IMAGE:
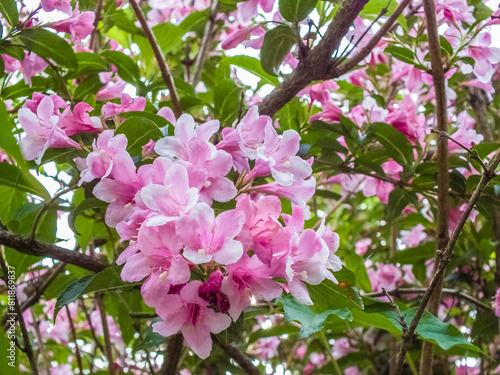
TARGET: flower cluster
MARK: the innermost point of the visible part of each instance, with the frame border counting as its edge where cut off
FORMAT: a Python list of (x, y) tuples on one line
[(202, 266)]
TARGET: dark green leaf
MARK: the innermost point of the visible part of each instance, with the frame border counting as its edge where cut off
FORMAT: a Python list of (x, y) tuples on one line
[(71, 293), (415, 255), (90, 85), (8, 142), (395, 142), (21, 89), (486, 148), (48, 45), (277, 44), (398, 200), (87, 204), (150, 339), (90, 61), (234, 331), (12, 200), (227, 99), (296, 10), (127, 68), (446, 46), (139, 131)]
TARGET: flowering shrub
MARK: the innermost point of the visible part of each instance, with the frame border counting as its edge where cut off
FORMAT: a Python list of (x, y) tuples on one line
[(278, 186)]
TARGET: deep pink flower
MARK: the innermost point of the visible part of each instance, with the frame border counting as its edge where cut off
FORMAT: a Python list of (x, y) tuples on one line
[(62, 5), (496, 303), (79, 25), (237, 36), (188, 312), (79, 120), (127, 104)]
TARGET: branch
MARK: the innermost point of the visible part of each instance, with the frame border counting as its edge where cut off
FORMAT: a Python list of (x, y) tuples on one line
[(453, 292), (105, 331), (242, 360), (165, 71), (443, 209), (73, 338), (386, 27), (172, 355), (319, 65), (205, 43), (18, 315), (40, 249), (443, 257), (95, 33)]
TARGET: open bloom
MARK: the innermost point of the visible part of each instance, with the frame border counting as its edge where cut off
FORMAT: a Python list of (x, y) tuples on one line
[(188, 313)]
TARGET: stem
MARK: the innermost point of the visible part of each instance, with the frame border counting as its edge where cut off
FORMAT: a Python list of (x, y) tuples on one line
[(73, 338), (46, 360), (28, 349), (426, 359), (443, 258), (40, 249), (241, 359), (165, 71), (172, 354), (95, 33), (105, 330), (205, 43)]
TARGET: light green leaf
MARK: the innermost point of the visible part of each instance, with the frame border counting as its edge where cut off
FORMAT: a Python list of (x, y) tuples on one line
[(296, 10), (227, 99), (127, 68), (403, 54), (8, 8), (12, 176), (252, 65)]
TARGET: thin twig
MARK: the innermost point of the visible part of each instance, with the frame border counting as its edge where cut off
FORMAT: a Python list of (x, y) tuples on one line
[(28, 349), (444, 255), (172, 354), (242, 360), (401, 318), (108, 348), (452, 292), (73, 338), (95, 33), (473, 153), (47, 205), (92, 330), (160, 58), (205, 43), (41, 346)]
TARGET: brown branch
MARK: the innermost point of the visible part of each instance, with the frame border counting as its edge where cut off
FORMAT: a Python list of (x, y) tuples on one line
[(172, 355), (18, 315), (205, 43), (443, 258), (438, 79), (108, 349), (386, 27), (41, 346), (164, 69), (454, 292), (95, 33), (242, 360), (40, 249), (319, 65), (73, 338)]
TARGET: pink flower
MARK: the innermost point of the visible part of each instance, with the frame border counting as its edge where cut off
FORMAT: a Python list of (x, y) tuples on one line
[(319, 91), (62, 5), (188, 313), (113, 89), (208, 238), (238, 36), (127, 105), (79, 25), (42, 131), (79, 121), (363, 245), (265, 348), (413, 238), (248, 9), (31, 66), (466, 135), (387, 276), (496, 303)]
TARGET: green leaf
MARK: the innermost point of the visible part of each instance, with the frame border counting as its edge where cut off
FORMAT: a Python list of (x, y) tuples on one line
[(108, 279), (8, 142), (20, 89), (48, 45), (395, 142), (12, 176), (446, 46), (150, 339), (415, 255), (293, 115), (8, 8), (398, 200), (310, 321), (227, 99), (127, 68), (403, 54), (12, 200), (277, 44), (485, 148), (90, 61), (90, 85), (330, 296), (87, 204), (139, 131), (232, 333), (296, 10), (71, 293), (252, 65), (158, 120), (169, 36)]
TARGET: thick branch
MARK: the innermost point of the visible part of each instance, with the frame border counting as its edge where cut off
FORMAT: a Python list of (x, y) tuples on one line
[(165, 71), (39, 249), (438, 79), (444, 258), (172, 355), (317, 64), (242, 360)]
